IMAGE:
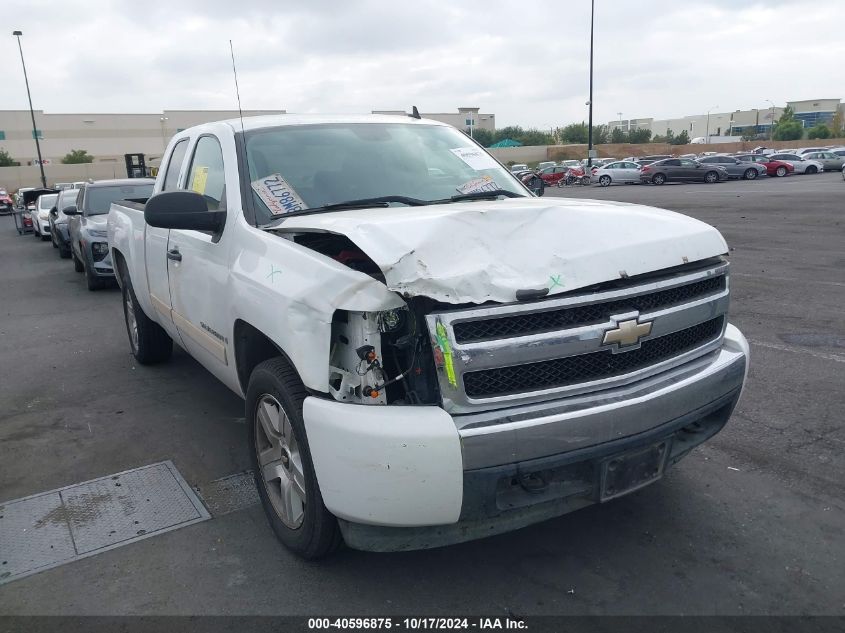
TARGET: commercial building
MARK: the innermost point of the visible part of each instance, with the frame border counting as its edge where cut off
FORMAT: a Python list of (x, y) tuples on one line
[(106, 137), (810, 112), (465, 119)]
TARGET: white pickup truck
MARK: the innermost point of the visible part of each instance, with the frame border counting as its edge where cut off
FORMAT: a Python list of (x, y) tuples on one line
[(429, 351)]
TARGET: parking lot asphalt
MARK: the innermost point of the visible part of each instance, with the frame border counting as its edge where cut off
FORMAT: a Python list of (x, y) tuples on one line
[(751, 523)]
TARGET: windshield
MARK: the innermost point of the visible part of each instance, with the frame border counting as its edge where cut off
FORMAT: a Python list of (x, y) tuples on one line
[(303, 167), (99, 199), (46, 202), (67, 198)]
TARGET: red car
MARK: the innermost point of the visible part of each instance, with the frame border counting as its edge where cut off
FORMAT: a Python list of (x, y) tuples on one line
[(551, 175), (773, 167), (6, 202)]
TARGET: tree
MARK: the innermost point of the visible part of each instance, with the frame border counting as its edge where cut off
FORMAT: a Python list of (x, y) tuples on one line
[(601, 134), (6, 160), (819, 131), (836, 125), (788, 128), (574, 133), (77, 156), (681, 139), (639, 136), (666, 138), (788, 131), (617, 135), (485, 137)]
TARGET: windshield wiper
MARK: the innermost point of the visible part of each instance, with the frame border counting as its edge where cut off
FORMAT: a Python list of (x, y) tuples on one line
[(361, 203), (483, 195)]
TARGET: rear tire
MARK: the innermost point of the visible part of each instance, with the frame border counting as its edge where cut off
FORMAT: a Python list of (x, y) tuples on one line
[(658, 179), (604, 181), (711, 177), (148, 341), (781, 171), (281, 461)]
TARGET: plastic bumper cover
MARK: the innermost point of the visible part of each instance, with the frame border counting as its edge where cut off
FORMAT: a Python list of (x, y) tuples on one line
[(404, 478)]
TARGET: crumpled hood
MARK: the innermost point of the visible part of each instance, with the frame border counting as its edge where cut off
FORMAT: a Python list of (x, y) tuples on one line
[(487, 250)]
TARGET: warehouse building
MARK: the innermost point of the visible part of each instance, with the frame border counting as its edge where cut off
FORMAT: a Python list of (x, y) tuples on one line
[(106, 137), (715, 123)]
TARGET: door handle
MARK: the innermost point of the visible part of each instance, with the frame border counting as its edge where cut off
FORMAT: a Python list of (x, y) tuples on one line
[(174, 254)]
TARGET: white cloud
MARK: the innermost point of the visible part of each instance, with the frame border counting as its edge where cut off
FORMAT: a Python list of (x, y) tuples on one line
[(526, 63)]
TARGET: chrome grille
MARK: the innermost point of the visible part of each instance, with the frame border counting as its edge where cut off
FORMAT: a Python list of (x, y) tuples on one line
[(569, 370), (550, 320), (511, 354)]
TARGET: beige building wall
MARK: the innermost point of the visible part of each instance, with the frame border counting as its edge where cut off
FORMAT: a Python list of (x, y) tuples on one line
[(459, 119), (105, 136)]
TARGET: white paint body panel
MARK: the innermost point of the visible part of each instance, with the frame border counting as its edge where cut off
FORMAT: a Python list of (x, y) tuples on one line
[(481, 251), (396, 466)]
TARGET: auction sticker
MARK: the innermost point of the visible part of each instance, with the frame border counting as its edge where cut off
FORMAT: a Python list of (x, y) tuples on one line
[(485, 183), (278, 195), (475, 157), (200, 180)]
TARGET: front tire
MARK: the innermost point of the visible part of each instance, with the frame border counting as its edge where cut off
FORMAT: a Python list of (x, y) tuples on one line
[(77, 265), (750, 174), (148, 341), (604, 181), (658, 179), (811, 170), (711, 176), (281, 461), (781, 171)]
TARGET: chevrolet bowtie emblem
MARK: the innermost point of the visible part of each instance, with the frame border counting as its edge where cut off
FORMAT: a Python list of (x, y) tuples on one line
[(627, 333)]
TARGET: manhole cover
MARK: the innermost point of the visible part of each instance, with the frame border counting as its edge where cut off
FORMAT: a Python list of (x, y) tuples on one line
[(60, 526)]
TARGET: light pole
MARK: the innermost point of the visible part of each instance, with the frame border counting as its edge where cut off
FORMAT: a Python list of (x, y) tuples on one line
[(18, 34), (590, 102), (163, 121), (708, 121), (771, 119)]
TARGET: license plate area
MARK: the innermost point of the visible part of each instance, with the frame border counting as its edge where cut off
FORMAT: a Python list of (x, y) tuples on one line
[(626, 472)]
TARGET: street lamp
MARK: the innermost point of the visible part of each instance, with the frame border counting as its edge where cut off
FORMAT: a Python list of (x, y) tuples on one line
[(590, 102), (708, 121), (771, 119), (18, 34)]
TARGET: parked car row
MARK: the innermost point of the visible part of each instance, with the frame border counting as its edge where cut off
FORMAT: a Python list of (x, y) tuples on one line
[(74, 220)]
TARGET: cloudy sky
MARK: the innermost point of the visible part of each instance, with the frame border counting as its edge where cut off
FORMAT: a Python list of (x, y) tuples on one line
[(527, 62)]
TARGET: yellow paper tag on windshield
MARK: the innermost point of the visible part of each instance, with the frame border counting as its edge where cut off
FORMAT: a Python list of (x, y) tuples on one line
[(200, 179)]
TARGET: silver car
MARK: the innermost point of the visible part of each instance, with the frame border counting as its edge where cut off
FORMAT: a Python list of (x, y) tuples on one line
[(801, 164), (830, 160), (736, 168), (620, 172)]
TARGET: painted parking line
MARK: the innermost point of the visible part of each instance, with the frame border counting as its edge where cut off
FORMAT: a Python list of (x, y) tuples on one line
[(60, 526)]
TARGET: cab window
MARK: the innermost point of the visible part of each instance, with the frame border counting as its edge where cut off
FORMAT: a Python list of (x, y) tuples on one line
[(171, 177), (206, 176)]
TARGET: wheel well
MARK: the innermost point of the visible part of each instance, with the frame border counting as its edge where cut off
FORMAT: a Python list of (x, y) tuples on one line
[(251, 348)]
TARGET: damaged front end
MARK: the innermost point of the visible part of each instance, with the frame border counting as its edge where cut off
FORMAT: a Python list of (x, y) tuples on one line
[(382, 357)]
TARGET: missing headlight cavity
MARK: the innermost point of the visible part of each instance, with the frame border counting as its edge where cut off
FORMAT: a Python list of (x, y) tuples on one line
[(382, 358), (341, 249)]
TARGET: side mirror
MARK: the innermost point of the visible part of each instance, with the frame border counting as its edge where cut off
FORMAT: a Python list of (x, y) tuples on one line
[(182, 210), (71, 210), (537, 185), (54, 211)]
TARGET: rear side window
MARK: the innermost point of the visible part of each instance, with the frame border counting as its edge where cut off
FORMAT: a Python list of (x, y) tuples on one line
[(206, 176), (171, 177)]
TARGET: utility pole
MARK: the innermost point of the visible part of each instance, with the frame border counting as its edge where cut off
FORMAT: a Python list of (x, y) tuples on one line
[(590, 102), (18, 34)]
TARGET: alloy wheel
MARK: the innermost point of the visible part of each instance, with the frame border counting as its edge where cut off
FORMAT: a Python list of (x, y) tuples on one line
[(280, 461)]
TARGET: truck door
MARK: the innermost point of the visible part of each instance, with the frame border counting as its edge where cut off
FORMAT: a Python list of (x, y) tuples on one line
[(155, 247), (198, 268)]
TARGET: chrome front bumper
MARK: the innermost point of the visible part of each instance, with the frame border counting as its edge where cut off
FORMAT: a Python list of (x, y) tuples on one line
[(558, 426)]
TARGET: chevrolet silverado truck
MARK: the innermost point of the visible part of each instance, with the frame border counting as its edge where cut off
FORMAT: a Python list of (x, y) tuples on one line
[(429, 351)]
